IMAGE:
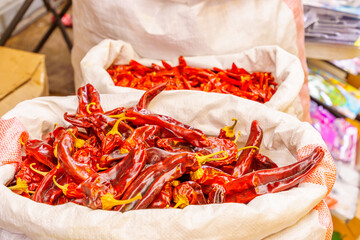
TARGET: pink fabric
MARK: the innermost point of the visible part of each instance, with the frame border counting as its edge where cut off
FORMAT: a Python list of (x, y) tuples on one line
[(12, 132)]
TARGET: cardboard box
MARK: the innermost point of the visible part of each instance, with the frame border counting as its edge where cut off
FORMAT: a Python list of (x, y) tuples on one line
[(22, 76)]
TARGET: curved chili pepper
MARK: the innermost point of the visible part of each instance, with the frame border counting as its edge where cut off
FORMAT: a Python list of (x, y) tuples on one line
[(65, 150), (193, 136), (47, 192), (41, 151), (150, 94), (245, 159), (251, 185), (89, 100)]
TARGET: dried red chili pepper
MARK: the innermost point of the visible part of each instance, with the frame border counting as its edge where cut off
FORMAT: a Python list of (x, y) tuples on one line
[(150, 182), (164, 198), (263, 162), (188, 193), (193, 136), (47, 192), (251, 185), (245, 159), (41, 151), (89, 100), (65, 151)]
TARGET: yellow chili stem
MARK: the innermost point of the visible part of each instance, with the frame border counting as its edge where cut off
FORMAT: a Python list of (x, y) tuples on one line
[(108, 201), (21, 141), (88, 107), (181, 200), (21, 185), (229, 130), (237, 137), (247, 147), (79, 143), (197, 174), (207, 158), (63, 188), (37, 171), (100, 168)]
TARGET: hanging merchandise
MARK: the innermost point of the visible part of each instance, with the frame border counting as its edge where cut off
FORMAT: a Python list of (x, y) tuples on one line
[(341, 97), (339, 135)]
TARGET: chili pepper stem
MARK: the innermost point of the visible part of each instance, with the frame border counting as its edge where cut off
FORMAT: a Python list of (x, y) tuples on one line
[(248, 147), (207, 158), (229, 130), (108, 201), (63, 188), (121, 115), (21, 185), (100, 168), (55, 151), (37, 171), (88, 107), (237, 137), (180, 200), (79, 143), (197, 174), (21, 141)]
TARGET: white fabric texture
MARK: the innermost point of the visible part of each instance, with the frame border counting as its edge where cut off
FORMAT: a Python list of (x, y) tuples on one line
[(163, 29), (265, 216), (285, 67)]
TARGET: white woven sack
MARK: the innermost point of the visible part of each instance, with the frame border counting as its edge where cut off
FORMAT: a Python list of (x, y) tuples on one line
[(293, 214), (165, 29), (285, 67)]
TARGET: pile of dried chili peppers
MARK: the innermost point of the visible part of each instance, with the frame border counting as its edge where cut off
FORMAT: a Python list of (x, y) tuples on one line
[(258, 86), (131, 158)]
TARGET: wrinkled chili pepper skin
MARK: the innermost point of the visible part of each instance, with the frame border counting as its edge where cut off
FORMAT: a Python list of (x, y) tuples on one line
[(120, 176), (245, 159), (210, 175), (150, 182), (263, 162), (216, 194), (87, 95), (251, 185), (32, 178), (219, 144), (163, 199), (146, 135), (193, 136), (155, 155), (192, 191), (48, 192), (41, 151), (65, 149)]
